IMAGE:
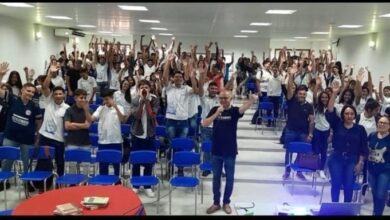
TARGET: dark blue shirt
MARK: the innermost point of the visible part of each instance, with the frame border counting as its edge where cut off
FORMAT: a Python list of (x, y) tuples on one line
[(352, 141), (379, 153), (225, 132), (21, 120), (298, 115)]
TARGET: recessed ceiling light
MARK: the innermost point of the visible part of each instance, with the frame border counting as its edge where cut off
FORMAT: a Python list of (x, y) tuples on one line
[(58, 17), (165, 34), (240, 36), (319, 32), (86, 26), (350, 26), (19, 5), (260, 24), (133, 8), (300, 37), (149, 21), (289, 40), (105, 32), (159, 29), (385, 15), (280, 12), (249, 31)]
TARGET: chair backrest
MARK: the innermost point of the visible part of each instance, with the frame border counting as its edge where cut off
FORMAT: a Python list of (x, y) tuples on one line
[(160, 119), (125, 129), (34, 153), (266, 106), (206, 146), (93, 128), (160, 131), (143, 157), (1, 137), (109, 156), (186, 144), (9, 152), (93, 107), (99, 100), (156, 144), (94, 139), (78, 155), (186, 159), (299, 147)]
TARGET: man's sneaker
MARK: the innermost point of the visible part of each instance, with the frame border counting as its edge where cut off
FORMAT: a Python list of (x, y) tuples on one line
[(322, 175), (7, 186), (227, 209), (135, 190), (206, 173), (149, 193), (213, 209), (301, 176), (286, 175)]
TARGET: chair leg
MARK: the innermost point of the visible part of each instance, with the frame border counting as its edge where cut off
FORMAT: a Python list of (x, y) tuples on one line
[(158, 197), (162, 173), (170, 200), (293, 182), (44, 185), (5, 194), (196, 201), (201, 189), (322, 193)]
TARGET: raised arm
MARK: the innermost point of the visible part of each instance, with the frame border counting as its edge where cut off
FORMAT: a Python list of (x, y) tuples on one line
[(358, 86), (171, 57), (381, 80), (290, 88), (3, 70), (248, 104), (370, 85), (335, 91), (46, 84)]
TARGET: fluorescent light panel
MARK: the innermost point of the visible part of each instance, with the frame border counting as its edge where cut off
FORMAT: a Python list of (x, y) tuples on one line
[(385, 15), (132, 8), (300, 37), (86, 26), (350, 26), (280, 12), (105, 32), (149, 21), (319, 32), (159, 29), (19, 5), (240, 36), (58, 17), (165, 34), (249, 31), (260, 24)]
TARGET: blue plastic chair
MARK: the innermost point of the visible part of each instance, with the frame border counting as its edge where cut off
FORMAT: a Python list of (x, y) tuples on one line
[(93, 128), (78, 156), (125, 129), (107, 156), (93, 107), (263, 108), (1, 138), (160, 119), (185, 159), (9, 153), (205, 165), (160, 131), (99, 100), (145, 157), (6, 212), (181, 144), (38, 175), (251, 87), (300, 147)]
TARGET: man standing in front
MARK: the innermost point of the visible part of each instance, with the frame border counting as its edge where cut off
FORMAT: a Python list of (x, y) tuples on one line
[(224, 149)]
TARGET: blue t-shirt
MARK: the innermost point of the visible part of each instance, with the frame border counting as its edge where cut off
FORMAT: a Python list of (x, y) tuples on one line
[(21, 118), (226, 76), (379, 153), (225, 132)]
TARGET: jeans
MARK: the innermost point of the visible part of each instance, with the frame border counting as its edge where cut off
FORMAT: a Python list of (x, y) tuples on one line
[(228, 162), (342, 175), (103, 167), (276, 101), (137, 145), (176, 129), (290, 136), (24, 149), (206, 135), (379, 183), (101, 86), (193, 126), (320, 145), (59, 152)]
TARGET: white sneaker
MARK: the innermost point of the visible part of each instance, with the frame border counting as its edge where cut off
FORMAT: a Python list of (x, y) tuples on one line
[(149, 193), (135, 190), (322, 174)]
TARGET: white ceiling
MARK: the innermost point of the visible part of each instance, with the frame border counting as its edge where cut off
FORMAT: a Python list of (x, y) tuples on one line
[(213, 19)]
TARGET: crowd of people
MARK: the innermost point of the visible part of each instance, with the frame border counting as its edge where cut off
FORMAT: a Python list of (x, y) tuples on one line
[(330, 108)]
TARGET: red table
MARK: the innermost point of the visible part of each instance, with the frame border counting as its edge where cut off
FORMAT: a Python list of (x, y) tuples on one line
[(123, 201)]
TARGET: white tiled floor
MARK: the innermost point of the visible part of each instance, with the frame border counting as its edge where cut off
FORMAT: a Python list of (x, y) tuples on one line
[(259, 168)]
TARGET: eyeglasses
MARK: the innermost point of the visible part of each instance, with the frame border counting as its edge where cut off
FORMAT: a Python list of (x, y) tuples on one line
[(223, 97), (383, 123)]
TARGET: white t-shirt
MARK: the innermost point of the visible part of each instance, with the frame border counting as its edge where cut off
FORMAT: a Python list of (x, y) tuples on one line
[(109, 126), (87, 85), (119, 98), (148, 71), (43, 101), (193, 103), (58, 81), (369, 124), (320, 122), (207, 104), (53, 120), (177, 102), (309, 96), (266, 76), (385, 104), (302, 79), (114, 82), (362, 103), (101, 72), (274, 86)]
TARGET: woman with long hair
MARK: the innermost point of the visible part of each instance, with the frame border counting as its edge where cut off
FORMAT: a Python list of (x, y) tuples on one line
[(15, 82)]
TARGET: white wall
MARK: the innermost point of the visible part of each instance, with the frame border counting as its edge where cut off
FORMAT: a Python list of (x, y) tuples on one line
[(299, 44), (355, 50)]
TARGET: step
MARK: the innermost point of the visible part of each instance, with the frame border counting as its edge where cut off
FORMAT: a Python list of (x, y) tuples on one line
[(258, 135), (259, 145)]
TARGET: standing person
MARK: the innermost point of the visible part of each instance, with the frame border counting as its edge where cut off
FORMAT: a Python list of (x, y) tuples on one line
[(301, 126), (24, 118), (71, 78), (143, 109), (15, 82), (274, 91), (226, 76), (350, 148), (88, 84), (110, 116), (379, 164), (76, 123), (52, 129), (224, 148)]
